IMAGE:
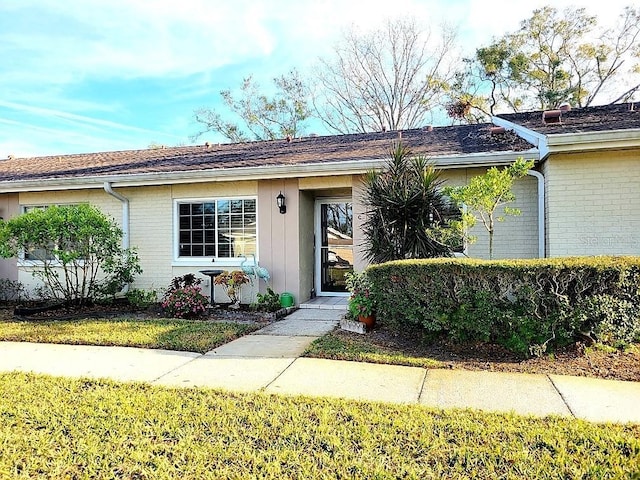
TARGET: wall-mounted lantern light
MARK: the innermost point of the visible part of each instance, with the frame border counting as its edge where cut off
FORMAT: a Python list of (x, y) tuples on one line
[(280, 203)]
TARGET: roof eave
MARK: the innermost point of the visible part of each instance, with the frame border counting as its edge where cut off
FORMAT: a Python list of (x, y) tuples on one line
[(589, 141), (349, 167)]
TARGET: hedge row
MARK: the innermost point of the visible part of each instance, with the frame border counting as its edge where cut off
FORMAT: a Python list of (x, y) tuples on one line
[(529, 306)]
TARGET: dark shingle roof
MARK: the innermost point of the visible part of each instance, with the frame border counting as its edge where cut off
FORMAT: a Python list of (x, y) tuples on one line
[(623, 116), (440, 141)]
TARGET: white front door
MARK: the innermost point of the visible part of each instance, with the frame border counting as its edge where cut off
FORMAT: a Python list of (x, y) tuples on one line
[(334, 245)]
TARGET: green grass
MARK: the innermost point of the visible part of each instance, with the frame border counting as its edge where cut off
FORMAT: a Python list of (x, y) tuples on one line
[(64, 428), (170, 334), (360, 349)]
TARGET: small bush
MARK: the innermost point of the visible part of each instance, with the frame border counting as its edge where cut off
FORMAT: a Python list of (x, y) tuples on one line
[(12, 291), (268, 302), (361, 302), (528, 306), (184, 299), (142, 299)]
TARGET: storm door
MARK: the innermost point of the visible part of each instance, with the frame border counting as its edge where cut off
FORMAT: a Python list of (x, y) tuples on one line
[(334, 245)]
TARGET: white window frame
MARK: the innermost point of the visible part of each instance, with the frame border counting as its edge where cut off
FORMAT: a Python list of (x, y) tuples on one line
[(179, 261)]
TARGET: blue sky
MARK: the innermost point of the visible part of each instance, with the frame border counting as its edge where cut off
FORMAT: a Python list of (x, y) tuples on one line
[(92, 75)]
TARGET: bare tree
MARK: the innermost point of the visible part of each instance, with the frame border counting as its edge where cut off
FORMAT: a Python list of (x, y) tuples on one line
[(388, 78)]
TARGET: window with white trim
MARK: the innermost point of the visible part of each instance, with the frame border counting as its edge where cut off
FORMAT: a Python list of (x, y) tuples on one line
[(220, 228)]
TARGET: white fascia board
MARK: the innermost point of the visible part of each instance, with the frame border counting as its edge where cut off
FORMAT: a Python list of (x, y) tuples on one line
[(538, 140), (349, 167), (610, 139)]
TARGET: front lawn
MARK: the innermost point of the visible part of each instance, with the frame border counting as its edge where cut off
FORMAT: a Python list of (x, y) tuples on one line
[(385, 346), (170, 334), (64, 428), (360, 348)]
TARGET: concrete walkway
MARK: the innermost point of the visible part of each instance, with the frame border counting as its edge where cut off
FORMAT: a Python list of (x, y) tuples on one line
[(268, 361)]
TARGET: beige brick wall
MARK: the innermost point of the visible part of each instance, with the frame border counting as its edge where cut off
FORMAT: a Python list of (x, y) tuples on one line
[(593, 204), (151, 222), (516, 236)]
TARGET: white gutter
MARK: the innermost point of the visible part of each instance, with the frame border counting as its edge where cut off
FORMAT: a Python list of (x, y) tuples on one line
[(125, 221), (347, 167), (125, 213), (534, 138), (541, 226)]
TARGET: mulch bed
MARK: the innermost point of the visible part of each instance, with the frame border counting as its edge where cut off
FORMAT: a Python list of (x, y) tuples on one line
[(573, 360), (218, 314)]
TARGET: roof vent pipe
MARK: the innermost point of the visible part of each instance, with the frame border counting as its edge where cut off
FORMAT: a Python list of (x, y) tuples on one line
[(552, 116)]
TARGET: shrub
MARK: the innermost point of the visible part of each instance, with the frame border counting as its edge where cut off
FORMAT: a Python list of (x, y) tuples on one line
[(526, 305), (76, 248), (268, 302), (142, 299), (184, 299), (12, 290), (407, 213)]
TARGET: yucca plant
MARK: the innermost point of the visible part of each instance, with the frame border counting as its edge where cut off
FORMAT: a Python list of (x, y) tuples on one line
[(407, 215)]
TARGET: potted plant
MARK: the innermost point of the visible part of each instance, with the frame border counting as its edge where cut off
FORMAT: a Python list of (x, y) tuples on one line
[(361, 303)]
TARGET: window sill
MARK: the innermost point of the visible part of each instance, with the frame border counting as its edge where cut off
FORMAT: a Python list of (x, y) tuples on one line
[(207, 263)]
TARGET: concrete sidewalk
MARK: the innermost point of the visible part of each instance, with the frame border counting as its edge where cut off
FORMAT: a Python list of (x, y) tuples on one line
[(268, 361)]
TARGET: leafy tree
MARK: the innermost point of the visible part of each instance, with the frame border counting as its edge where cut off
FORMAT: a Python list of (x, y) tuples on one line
[(262, 117), (389, 78), (553, 58), (485, 194), (407, 216), (76, 248)]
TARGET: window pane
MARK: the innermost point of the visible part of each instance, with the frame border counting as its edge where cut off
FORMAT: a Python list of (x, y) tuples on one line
[(210, 236), (196, 209), (209, 250), (236, 206), (224, 250), (197, 251), (197, 236), (249, 206), (223, 221), (185, 223), (185, 236), (185, 250), (223, 206), (209, 208), (185, 209), (236, 221), (197, 223), (250, 220), (209, 221)]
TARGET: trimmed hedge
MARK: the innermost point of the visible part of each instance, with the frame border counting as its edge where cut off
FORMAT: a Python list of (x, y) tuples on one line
[(528, 306)]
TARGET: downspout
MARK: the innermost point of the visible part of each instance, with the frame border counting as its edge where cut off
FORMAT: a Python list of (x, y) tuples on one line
[(125, 220), (541, 227)]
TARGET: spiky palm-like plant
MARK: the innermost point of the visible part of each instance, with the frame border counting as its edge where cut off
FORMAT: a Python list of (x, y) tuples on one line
[(407, 214)]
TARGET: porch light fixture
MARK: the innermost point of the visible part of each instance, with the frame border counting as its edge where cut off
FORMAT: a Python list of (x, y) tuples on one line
[(280, 203)]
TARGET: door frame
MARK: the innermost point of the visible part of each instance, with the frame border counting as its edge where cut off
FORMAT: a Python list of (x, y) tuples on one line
[(317, 264)]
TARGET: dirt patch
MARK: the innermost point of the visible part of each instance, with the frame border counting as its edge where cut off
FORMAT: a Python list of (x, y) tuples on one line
[(573, 360)]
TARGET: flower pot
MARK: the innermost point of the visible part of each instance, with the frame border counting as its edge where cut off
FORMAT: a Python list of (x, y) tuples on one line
[(369, 320)]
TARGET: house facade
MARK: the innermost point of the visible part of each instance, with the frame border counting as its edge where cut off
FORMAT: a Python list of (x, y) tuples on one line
[(188, 209)]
